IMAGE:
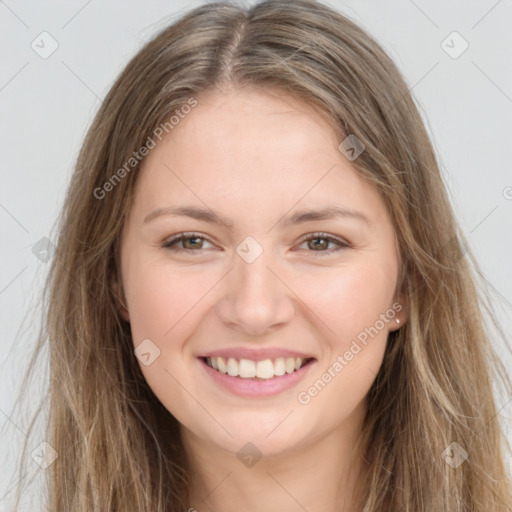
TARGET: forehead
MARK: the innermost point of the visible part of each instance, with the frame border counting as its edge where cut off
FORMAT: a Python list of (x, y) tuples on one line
[(258, 120), (252, 150)]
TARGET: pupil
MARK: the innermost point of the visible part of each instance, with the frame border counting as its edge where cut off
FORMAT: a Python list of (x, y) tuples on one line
[(316, 244), (188, 239)]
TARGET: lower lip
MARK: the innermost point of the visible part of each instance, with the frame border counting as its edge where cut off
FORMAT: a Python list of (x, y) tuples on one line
[(257, 388)]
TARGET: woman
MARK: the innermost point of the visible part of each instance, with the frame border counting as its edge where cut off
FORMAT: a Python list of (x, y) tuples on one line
[(206, 352)]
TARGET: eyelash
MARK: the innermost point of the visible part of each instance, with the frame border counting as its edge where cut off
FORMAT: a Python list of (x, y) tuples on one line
[(170, 243)]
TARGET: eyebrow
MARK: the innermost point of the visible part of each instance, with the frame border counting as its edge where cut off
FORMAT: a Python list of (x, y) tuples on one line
[(299, 217)]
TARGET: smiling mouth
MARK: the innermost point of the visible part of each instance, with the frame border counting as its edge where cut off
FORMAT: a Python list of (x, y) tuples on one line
[(256, 370)]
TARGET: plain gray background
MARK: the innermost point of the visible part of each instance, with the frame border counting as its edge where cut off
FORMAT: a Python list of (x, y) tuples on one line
[(48, 103)]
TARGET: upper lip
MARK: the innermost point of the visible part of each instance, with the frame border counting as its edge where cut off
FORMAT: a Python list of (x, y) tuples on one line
[(255, 354)]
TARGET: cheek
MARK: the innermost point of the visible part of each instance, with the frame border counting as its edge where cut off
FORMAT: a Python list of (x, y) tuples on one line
[(161, 302), (355, 337), (163, 309), (166, 306), (349, 299)]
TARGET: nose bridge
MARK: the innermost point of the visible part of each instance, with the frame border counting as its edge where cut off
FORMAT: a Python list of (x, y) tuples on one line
[(252, 278), (256, 299)]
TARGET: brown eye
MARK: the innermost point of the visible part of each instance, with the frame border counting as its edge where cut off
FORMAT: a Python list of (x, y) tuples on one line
[(319, 243), (312, 243), (190, 242)]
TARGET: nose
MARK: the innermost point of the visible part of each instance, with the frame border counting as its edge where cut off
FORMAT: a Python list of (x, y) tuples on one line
[(256, 300)]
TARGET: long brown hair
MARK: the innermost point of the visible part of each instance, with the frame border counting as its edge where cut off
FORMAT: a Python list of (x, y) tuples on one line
[(118, 447)]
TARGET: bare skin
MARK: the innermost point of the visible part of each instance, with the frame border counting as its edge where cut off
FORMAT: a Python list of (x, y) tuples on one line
[(255, 158)]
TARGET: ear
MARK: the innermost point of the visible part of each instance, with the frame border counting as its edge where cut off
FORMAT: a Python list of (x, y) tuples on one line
[(120, 300)]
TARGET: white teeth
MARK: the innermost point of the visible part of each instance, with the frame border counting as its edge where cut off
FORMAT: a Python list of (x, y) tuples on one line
[(279, 366), (221, 364), (248, 369), (265, 369), (232, 367)]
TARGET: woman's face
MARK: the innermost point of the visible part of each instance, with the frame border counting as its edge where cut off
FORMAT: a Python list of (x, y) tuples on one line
[(251, 174)]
